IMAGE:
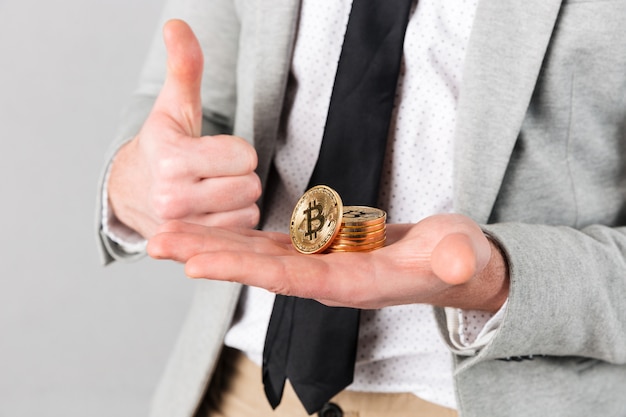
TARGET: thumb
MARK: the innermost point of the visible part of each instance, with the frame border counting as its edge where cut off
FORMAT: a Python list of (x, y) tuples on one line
[(180, 96), (459, 256)]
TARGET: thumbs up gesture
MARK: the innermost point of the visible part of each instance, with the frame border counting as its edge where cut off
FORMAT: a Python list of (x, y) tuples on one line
[(168, 171)]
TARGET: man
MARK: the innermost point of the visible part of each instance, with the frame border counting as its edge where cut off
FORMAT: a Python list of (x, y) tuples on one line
[(537, 166)]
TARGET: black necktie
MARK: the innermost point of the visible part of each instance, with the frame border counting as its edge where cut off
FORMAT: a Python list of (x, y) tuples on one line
[(311, 344)]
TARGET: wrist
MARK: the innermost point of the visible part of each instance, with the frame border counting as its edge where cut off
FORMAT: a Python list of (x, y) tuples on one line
[(495, 278), (123, 192)]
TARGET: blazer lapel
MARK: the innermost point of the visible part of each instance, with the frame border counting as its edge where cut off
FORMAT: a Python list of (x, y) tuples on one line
[(275, 35), (504, 57)]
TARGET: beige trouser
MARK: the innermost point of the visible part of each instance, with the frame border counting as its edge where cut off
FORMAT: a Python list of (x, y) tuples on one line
[(237, 391)]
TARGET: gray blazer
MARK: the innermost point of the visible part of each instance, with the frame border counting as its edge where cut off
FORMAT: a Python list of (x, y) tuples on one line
[(540, 160)]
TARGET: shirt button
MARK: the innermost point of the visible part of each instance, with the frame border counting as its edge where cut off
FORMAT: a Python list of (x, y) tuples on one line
[(330, 410)]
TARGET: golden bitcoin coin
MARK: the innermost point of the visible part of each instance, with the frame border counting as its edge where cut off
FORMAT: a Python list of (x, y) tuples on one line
[(342, 243), (356, 248), (358, 241), (316, 220), (362, 216), (365, 229), (343, 233)]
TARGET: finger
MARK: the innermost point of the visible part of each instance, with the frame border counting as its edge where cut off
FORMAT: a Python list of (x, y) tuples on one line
[(293, 274), (186, 241), (187, 164), (273, 273), (211, 195), (218, 156), (180, 246), (180, 96), (246, 218), (458, 257), (177, 226)]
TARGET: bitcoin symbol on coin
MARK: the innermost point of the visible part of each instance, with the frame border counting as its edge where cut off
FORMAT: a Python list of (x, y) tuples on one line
[(315, 220), (355, 213), (318, 219)]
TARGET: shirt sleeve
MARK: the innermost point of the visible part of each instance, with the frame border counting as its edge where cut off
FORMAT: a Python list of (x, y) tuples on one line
[(471, 330)]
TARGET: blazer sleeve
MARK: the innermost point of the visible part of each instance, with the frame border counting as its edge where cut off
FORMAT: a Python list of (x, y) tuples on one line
[(216, 24), (560, 211), (567, 292)]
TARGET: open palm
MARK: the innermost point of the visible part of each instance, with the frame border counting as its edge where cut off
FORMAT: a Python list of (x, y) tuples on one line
[(444, 260)]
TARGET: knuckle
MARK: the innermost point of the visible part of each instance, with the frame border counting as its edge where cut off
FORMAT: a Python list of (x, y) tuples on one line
[(253, 159), (167, 205), (246, 152), (235, 149), (254, 187), (172, 226), (155, 247), (167, 167), (254, 217)]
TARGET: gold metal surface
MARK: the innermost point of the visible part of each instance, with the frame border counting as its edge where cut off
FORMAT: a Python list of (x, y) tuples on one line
[(316, 220), (362, 216), (320, 223)]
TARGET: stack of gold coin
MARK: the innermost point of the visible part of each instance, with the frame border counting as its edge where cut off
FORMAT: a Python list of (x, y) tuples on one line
[(320, 223), (362, 229)]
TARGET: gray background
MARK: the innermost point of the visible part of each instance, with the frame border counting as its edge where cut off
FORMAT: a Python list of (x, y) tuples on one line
[(76, 339)]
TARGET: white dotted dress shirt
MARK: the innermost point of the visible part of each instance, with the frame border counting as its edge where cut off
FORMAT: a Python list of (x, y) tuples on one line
[(400, 348)]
